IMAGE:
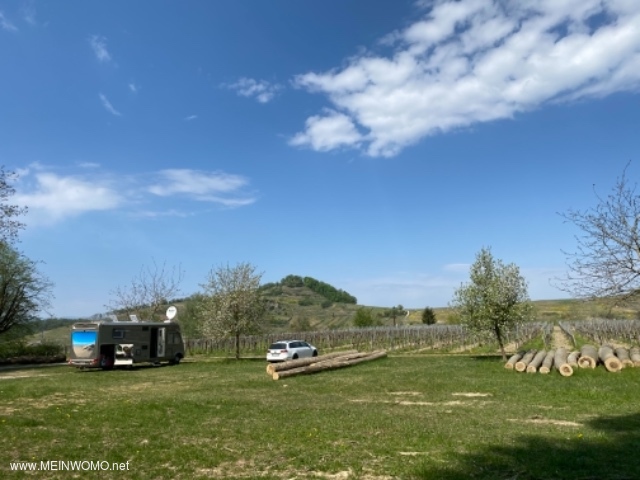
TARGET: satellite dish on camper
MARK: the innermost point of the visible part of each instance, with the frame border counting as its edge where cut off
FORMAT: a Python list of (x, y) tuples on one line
[(172, 312)]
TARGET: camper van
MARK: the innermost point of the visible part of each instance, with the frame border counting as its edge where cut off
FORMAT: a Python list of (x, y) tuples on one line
[(108, 344)]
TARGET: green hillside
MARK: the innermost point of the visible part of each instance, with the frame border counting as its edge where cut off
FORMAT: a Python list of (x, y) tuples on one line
[(294, 305)]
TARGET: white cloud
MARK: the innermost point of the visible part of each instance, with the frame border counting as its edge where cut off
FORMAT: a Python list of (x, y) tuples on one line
[(215, 187), (54, 198), (190, 118), (6, 24), (133, 87), (473, 61), (107, 105), (99, 46), (261, 90), (328, 132)]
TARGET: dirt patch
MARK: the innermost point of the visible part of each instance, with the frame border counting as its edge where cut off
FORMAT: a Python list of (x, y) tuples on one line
[(471, 394), (406, 394), (545, 421), (22, 374)]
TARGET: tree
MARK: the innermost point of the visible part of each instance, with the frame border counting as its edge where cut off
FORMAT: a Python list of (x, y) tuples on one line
[(364, 318), (9, 225), (151, 290), (428, 316), (606, 263), (232, 304), (24, 291), (495, 299), (394, 312)]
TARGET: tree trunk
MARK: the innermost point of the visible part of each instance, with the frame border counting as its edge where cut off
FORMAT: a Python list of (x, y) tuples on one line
[(536, 362), (611, 362), (588, 357), (521, 366), (634, 353), (328, 365), (301, 362), (623, 355), (572, 358), (512, 361), (237, 346), (547, 363), (500, 342), (560, 362)]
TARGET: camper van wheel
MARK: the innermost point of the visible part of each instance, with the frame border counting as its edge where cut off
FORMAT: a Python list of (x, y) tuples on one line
[(176, 359)]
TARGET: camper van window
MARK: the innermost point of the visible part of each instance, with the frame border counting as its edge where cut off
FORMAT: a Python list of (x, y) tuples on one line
[(145, 329), (118, 333)]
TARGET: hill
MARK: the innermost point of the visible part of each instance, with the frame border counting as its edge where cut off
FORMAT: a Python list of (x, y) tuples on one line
[(297, 304)]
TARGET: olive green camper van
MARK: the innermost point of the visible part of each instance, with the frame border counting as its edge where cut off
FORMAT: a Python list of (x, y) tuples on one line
[(108, 344)]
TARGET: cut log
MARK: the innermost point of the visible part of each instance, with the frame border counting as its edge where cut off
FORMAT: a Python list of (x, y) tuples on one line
[(560, 362), (300, 362), (328, 365), (588, 357), (634, 354), (547, 363), (572, 358), (536, 362), (521, 365), (623, 355), (611, 362), (512, 361)]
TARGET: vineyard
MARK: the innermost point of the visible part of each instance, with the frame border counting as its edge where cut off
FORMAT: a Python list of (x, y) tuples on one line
[(603, 331), (418, 338)]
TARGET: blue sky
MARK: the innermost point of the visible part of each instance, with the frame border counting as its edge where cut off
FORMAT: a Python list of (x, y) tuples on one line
[(374, 145)]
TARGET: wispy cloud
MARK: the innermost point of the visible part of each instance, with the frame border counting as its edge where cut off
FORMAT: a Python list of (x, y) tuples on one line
[(6, 25), (190, 118), (52, 197), (472, 61), (99, 46), (216, 187), (133, 88), (28, 11), (261, 90), (107, 105)]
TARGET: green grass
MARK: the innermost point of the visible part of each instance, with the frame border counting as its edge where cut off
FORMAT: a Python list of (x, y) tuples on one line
[(436, 417)]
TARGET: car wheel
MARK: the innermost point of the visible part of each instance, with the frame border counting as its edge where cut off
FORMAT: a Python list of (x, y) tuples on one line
[(315, 353), (295, 356)]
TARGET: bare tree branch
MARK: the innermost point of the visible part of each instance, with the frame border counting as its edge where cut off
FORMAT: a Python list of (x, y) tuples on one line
[(148, 292), (606, 263)]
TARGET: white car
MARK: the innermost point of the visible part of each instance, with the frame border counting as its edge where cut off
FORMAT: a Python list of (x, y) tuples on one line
[(290, 350)]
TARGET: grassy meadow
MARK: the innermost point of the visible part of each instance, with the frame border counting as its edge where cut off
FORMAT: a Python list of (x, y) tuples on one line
[(403, 417)]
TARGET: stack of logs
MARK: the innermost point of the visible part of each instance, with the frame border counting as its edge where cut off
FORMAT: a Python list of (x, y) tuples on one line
[(542, 361), (329, 361)]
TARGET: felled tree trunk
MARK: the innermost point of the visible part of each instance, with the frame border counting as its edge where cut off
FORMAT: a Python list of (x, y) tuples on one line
[(611, 362), (301, 362), (328, 365), (572, 358), (547, 362), (536, 362), (521, 365), (623, 355), (560, 362), (512, 361), (634, 354), (588, 357)]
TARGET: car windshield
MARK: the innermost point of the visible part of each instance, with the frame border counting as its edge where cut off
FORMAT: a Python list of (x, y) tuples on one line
[(277, 346)]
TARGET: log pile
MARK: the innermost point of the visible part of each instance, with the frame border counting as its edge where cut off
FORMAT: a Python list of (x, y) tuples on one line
[(331, 361), (612, 358)]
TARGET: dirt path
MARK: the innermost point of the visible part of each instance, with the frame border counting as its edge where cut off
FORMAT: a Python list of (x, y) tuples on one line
[(560, 340)]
